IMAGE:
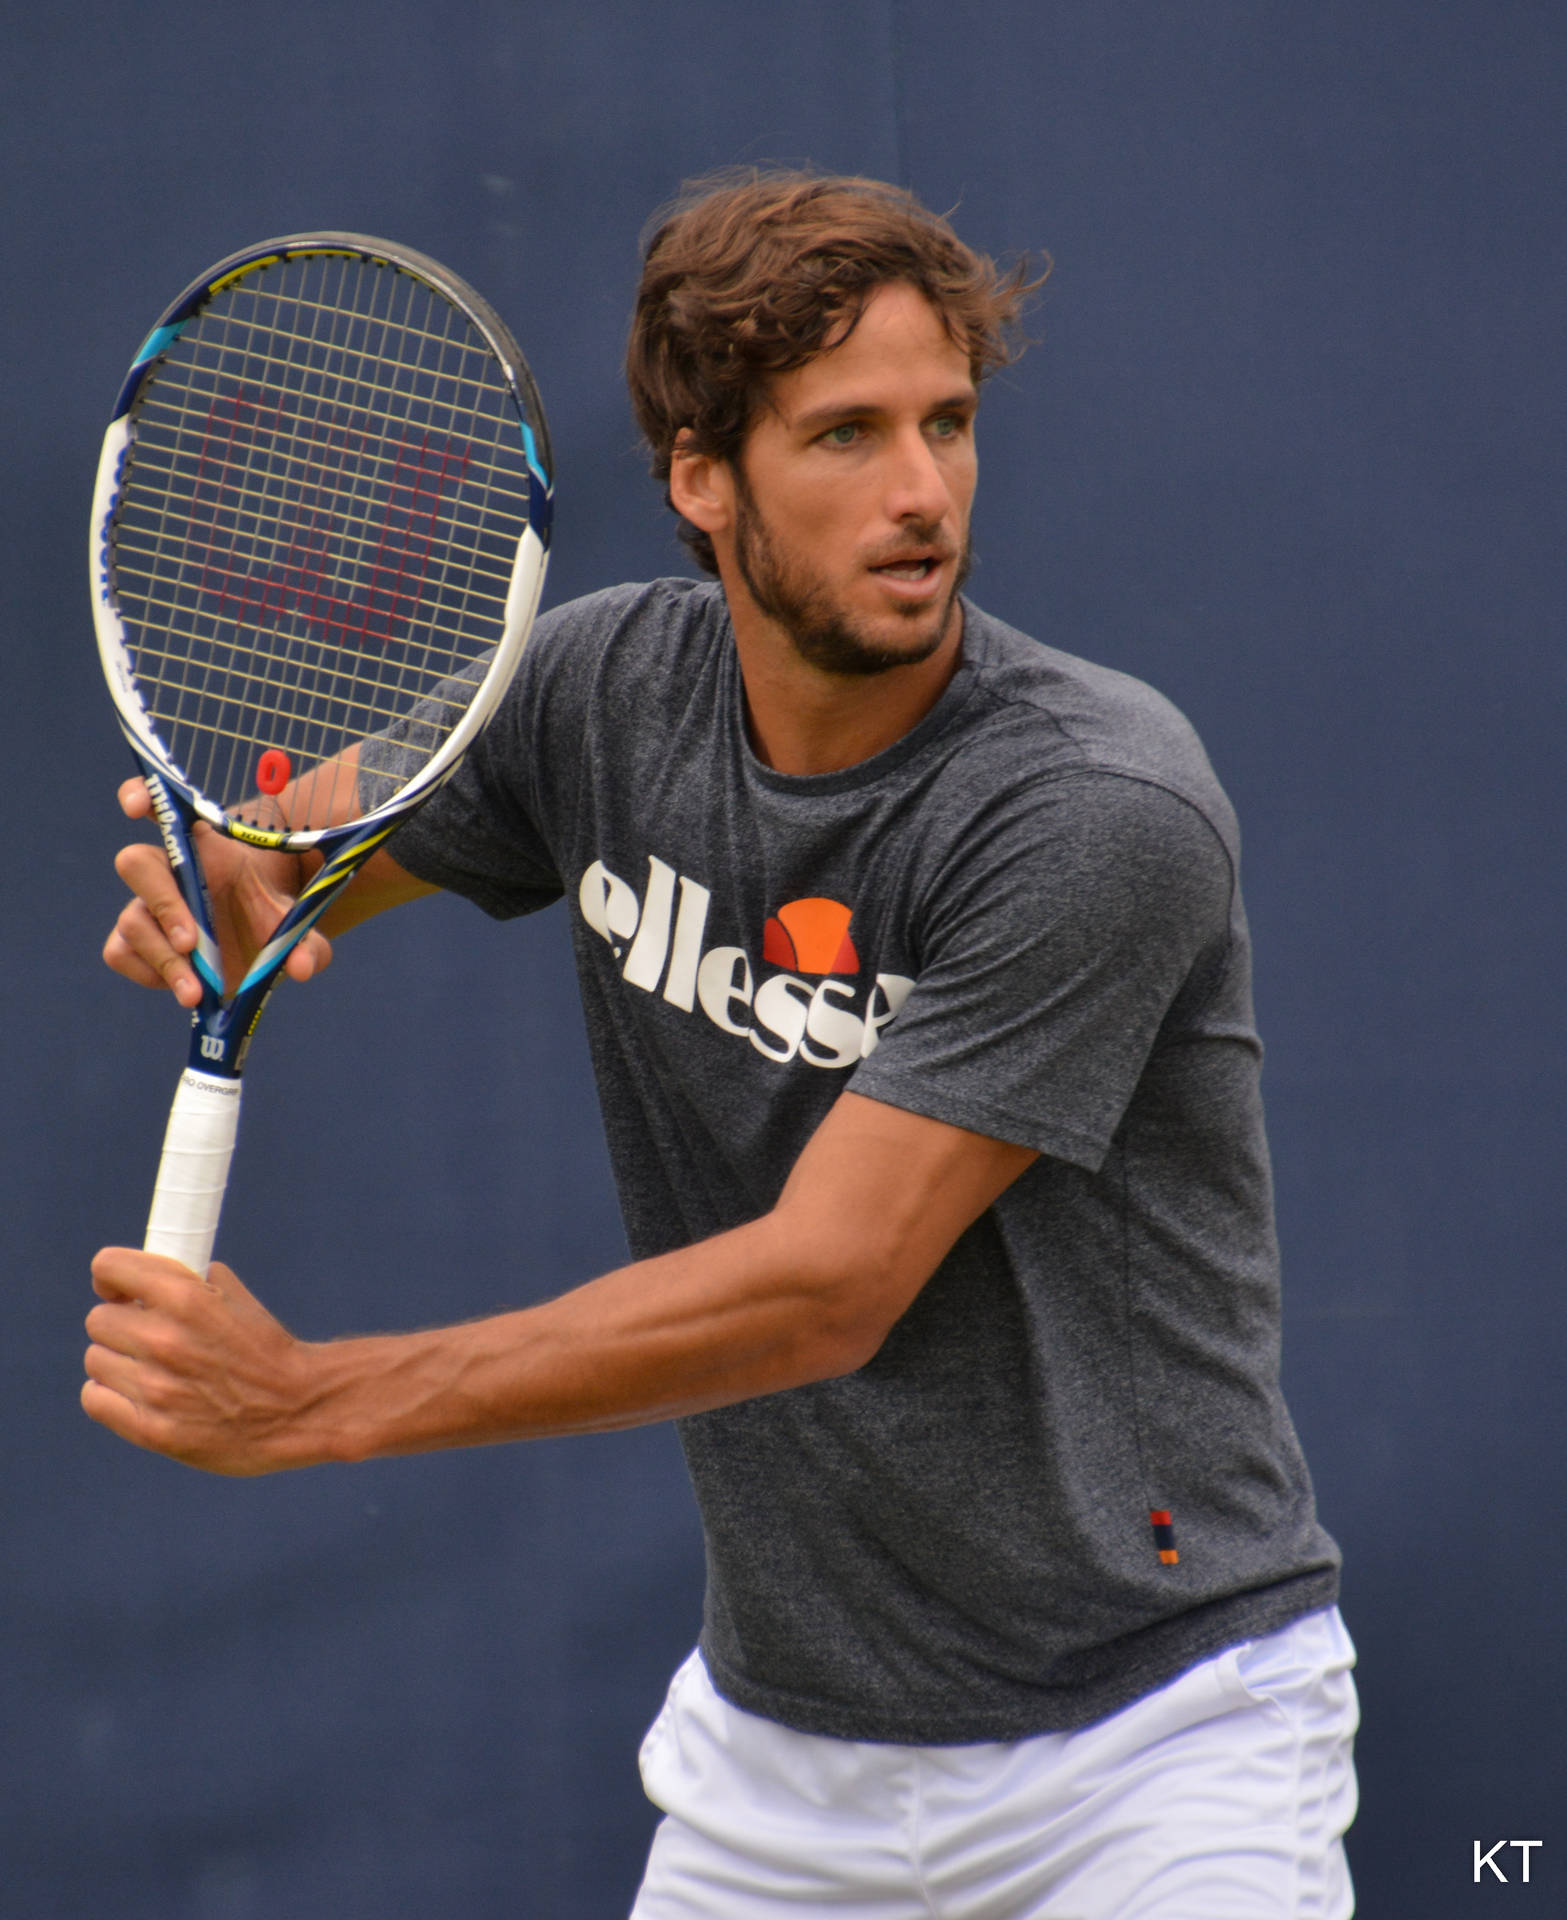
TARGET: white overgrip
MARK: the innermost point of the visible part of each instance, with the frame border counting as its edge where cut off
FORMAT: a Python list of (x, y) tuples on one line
[(194, 1170)]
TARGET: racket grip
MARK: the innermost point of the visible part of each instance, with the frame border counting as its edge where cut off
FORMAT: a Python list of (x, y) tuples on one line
[(194, 1170)]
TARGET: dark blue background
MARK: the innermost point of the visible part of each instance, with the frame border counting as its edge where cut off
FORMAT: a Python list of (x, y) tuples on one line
[(1289, 446)]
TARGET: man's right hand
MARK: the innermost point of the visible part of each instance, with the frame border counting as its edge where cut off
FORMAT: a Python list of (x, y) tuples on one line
[(250, 890)]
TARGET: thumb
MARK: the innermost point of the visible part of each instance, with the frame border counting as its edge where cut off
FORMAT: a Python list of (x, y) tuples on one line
[(236, 1297), (224, 1280)]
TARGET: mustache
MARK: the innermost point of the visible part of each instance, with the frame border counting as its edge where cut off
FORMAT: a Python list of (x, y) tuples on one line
[(933, 542)]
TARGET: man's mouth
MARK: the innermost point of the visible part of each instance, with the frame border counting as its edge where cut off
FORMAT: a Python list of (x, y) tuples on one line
[(910, 567)]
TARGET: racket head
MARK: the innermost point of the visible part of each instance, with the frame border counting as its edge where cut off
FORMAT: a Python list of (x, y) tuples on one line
[(322, 510)]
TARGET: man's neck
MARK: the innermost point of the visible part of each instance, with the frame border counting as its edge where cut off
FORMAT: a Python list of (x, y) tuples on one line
[(803, 720)]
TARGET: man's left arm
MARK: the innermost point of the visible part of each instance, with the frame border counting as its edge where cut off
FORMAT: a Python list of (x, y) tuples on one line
[(199, 1370)]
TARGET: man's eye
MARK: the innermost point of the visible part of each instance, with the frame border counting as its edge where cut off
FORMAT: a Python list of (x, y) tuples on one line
[(843, 435)]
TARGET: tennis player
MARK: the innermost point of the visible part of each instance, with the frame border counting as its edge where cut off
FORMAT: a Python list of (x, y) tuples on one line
[(917, 983)]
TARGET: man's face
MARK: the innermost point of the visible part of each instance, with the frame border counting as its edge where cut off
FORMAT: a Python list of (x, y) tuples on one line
[(853, 489)]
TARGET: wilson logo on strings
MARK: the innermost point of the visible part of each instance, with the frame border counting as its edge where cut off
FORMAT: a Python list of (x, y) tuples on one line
[(804, 1012), (348, 561)]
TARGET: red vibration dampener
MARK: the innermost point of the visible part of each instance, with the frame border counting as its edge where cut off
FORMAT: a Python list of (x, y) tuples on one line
[(273, 770)]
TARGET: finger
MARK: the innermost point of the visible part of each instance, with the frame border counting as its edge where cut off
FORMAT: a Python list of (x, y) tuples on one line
[(146, 871), (120, 1372), (120, 955), (139, 950), (124, 1417), (154, 935), (313, 955), (109, 1408), (122, 1327), (121, 1274), (135, 799), (107, 1287)]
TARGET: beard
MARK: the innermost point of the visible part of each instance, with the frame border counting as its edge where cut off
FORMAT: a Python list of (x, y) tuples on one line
[(824, 635)]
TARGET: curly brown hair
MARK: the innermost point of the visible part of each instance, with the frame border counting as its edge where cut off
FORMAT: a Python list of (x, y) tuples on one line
[(751, 274)]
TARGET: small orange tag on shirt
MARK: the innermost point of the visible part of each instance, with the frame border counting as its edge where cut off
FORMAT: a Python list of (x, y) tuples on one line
[(1164, 1536)]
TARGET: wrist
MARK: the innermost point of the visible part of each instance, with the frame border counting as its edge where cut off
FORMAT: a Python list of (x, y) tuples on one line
[(378, 1395), (338, 1402)]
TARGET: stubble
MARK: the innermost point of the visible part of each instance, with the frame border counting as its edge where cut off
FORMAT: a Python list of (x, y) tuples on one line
[(823, 634)]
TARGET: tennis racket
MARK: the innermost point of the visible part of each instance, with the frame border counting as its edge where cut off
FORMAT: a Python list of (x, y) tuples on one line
[(321, 519)]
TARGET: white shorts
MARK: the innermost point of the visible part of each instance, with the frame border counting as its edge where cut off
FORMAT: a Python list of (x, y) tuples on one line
[(1223, 1796)]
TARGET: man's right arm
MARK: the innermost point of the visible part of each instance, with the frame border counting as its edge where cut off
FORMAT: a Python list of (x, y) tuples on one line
[(250, 889)]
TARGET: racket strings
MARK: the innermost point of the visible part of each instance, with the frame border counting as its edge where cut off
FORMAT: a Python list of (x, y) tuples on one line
[(295, 519), (323, 499), (271, 357), (354, 704), (199, 419), (155, 604)]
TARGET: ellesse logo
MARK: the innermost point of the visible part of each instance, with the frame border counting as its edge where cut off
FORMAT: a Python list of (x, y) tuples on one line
[(811, 936), (804, 1012)]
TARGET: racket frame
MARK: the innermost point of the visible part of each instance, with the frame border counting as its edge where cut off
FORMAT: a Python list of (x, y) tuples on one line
[(205, 1113)]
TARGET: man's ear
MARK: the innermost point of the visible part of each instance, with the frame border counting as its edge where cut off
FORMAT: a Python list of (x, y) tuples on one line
[(701, 486)]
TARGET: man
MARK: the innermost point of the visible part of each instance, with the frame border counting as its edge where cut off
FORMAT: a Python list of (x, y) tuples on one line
[(918, 989)]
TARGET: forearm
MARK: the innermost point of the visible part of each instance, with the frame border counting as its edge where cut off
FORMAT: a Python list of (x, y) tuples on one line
[(807, 1292), (736, 1316), (199, 1370)]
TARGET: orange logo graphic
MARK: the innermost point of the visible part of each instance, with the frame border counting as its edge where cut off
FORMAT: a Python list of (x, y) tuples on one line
[(810, 936)]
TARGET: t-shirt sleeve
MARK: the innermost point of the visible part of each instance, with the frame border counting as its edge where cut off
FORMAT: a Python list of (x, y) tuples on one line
[(1057, 937)]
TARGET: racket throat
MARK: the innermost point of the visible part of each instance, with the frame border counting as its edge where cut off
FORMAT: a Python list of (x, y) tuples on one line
[(218, 1043)]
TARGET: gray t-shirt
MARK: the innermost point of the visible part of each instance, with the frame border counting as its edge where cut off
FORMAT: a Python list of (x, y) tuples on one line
[(1023, 918)]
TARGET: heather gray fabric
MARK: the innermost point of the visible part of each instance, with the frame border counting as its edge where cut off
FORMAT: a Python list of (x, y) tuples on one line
[(1024, 919)]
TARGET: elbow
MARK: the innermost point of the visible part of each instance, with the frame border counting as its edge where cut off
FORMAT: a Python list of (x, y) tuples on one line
[(855, 1297)]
